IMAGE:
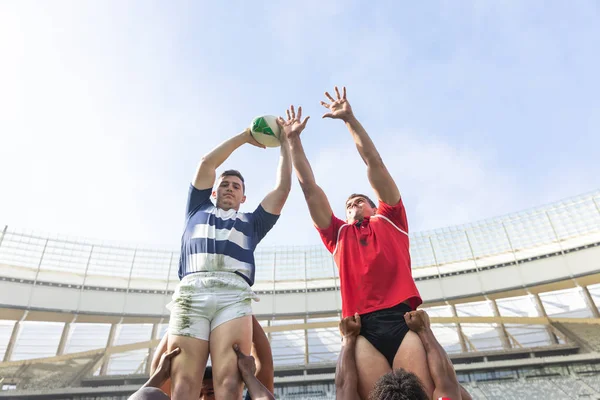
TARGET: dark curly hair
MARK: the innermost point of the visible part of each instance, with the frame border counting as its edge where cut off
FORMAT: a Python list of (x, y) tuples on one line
[(398, 385)]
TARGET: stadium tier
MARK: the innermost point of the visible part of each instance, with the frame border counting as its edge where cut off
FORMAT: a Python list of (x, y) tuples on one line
[(514, 301)]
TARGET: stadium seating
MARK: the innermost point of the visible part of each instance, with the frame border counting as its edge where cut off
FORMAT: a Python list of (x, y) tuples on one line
[(592, 381), (573, 386), (589, 334), (45, 376)]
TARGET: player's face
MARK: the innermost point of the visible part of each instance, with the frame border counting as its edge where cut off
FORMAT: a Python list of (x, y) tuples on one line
[(357, 208), (208, 391), (230, 193)]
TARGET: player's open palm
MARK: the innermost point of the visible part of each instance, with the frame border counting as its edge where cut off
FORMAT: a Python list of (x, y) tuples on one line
[(293, 125), (338, 108)]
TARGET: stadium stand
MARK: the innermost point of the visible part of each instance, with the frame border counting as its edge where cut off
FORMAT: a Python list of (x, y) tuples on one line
[(586, 334), (513, 300)]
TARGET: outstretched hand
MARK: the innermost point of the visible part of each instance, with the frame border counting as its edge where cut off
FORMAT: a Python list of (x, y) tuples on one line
[(294, 125), (417, 321), (338, 108), (350, 326), (245, 363)]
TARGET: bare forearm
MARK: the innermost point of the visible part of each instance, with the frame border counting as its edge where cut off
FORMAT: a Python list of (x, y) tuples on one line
[(318, 204), (154, 381), (261, 350), (304, 172), (257, 390), (346, 376), (380, 178), (206, 173), (440, 367), (220, 153), (365, 146), (275, 200), (284, 170)]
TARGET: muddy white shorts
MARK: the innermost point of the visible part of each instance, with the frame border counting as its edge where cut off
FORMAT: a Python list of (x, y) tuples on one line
[(204, 300)]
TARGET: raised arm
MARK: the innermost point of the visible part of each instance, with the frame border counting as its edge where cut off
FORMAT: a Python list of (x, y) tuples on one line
[(440, 366), (274, 201), (381, 180), (318, 205), (206, 173), (346, 375)]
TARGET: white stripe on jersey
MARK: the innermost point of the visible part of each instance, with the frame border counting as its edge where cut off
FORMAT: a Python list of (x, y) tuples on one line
[(206, 231), (226, 215), (216, 262)]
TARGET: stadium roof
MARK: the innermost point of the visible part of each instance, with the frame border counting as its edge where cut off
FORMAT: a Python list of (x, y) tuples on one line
[(561, 226)]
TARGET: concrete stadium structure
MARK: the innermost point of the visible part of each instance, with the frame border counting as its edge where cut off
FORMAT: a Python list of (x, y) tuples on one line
[(514, 300)]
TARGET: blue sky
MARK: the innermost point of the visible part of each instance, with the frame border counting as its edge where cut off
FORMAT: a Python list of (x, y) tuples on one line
[(478, 108)]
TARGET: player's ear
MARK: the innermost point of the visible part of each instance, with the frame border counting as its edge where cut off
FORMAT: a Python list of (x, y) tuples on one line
[(214, 194), (243, 199)]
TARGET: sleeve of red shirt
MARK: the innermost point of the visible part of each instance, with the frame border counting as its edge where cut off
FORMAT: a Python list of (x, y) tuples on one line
[(396, 214), (329, 235)]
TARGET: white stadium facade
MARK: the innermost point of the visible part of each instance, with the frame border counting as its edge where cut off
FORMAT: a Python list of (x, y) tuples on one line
[(513, 300)]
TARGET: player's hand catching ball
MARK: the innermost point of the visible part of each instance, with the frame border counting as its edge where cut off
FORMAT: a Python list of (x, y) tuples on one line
[(250, 139), (417, 321), (338, 108), (350, 326), (294, 125)]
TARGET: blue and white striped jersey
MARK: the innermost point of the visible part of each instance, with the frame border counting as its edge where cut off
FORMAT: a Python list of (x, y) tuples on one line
[(219, 240)]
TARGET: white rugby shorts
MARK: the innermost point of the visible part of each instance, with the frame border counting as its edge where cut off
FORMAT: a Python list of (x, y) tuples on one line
[(204, 300)]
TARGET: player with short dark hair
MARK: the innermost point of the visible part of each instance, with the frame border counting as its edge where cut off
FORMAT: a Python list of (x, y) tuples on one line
[(359, 195), (237, 174), (217, 269), (371, 250)]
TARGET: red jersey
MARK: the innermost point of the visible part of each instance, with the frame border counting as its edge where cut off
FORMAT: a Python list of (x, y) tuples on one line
[(373, 261)]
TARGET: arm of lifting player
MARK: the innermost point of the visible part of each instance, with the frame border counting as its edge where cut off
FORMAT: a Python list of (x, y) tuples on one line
[(206, 172), (261, 350), (247, 369), (157, 378), (318, 204), (440, 366), (346, 374)]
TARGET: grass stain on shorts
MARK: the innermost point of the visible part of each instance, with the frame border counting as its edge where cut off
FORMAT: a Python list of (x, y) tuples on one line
[(184, 302)]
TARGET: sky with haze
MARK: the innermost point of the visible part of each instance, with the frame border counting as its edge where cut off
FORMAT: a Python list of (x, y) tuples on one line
[(478, 108)]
